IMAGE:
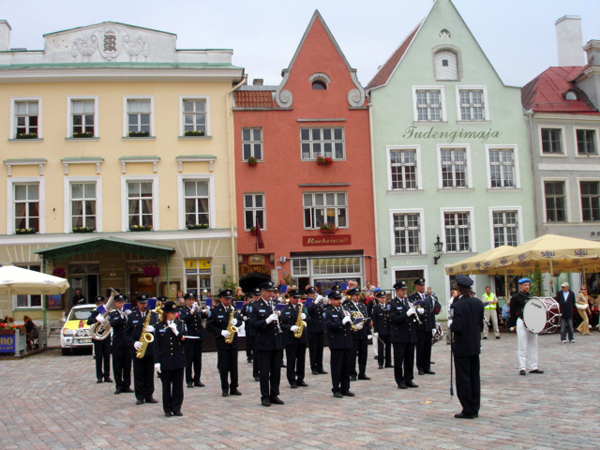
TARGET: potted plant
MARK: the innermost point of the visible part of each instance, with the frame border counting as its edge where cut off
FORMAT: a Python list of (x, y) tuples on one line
[(151, 270), (27, 136), (85, 134), (194, 133), (252, 161), (25, 231), (139, 134), (324, 161), (329, 228), (140, 227), (253, 230), (197, 226), (59, 272), (83, 230)]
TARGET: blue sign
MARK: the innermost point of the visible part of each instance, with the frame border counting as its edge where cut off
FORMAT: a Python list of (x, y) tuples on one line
[(7, 343)]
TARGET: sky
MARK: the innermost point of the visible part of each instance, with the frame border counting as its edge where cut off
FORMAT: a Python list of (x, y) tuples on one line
[(518, 36)]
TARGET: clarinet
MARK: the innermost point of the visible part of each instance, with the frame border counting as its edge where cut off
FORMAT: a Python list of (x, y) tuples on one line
[(279, 331)]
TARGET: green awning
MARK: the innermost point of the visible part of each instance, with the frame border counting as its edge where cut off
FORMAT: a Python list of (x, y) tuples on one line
[(104, 244)]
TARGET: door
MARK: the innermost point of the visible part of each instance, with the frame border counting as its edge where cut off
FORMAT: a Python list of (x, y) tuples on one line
[(140, 284)]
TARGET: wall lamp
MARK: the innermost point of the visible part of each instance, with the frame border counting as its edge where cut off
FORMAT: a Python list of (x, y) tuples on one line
[(439, 245)]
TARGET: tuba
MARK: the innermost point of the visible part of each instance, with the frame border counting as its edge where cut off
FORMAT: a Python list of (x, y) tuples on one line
[(100, 331), (231, 327)]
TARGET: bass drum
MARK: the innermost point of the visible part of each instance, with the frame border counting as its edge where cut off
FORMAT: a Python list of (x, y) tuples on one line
[(439, 333), (541, 315)]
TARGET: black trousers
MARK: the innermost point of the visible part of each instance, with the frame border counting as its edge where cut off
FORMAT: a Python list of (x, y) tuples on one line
[(404, 359), (269, 367), (227, 363), (316, 343), (468, 383), (340, 369), (102, 355), (193, 358), (360, 351), (122, 367), (384, 352), (250, 347), (143, 376), (296, 359), (172, 389), (424, 350)]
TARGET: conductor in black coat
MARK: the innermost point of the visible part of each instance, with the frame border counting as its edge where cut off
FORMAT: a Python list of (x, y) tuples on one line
[(101, 346), (122, 354), (192, 314), (295, 348), (467, 316), (426, 311), (403, 335)]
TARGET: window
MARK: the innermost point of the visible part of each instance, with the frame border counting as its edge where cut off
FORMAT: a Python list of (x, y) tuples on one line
[(194, 116), (252, 143), (196, 197), (429, 105), (472, 104), (446, 65), (29, 301), (586, 142), (403, 166), (319, 85), (555, 197), (457, 228), (138, 116), (502, 168), (254, 209), (299, 267), (326, 142), (551, 140), (140, 203), (325, 207), (82, 116), (454, 167), (407, 233), (590, 200), (27, 118), (83, 205), (27, 206), (506, 228), (197, 277)]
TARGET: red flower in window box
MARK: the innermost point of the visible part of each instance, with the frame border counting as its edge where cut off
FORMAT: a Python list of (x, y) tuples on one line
[(323, 161), (328, 228), (151, 270)]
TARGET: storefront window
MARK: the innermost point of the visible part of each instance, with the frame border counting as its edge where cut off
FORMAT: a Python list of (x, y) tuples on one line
[(198, 276)]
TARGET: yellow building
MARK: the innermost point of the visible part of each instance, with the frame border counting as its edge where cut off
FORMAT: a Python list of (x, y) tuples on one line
[(117, 164)]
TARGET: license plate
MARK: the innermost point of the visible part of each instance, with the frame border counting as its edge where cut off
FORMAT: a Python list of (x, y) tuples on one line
[(85, 341)]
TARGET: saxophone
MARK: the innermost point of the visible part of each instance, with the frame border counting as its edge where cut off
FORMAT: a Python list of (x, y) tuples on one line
[(231, 327), (147, 338), (299, 323)]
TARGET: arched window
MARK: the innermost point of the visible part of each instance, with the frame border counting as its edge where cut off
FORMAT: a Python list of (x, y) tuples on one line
[(319, 85), (319, 81), (571, 95), (446, 65)]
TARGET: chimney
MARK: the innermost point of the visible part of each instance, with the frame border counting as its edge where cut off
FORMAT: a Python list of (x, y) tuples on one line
[(592, 48), (4, 36), (258, 82), (570, 41)]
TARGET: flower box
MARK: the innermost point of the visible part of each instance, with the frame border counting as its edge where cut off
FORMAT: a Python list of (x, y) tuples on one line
[(87, 134), (27, 136), (59, 272), (140, 228), (253, 230), (322, 161), (83, 230), (252, 161), (193, 133), (197, 226), (139, 134), (25, 231), (151, 270), (327, 228)]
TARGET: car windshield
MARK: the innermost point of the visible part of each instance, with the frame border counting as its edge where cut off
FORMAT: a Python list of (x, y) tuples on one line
[(80, 314)]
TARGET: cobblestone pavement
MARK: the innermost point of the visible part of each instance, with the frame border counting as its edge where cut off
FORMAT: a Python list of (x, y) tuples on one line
[(52, 402)]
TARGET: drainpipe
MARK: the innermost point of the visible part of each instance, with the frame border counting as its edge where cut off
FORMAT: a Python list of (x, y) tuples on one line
[(375, 209), (532, 152)]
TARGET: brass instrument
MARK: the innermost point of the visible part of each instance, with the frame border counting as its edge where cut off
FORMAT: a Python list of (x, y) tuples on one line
[(147, 338), (299, 323), (354, 315), (231, 327), (416, 314), (101, 330)]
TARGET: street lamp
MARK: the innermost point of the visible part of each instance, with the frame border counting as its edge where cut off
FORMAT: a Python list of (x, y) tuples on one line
[(439, 245)]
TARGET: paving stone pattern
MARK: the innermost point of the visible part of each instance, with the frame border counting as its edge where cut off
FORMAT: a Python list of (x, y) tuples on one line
[(50, 401)]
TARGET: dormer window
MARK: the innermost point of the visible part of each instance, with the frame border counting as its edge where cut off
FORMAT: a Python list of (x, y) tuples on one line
[(319, 81), (446, 63), (571, 95), (318, 85)]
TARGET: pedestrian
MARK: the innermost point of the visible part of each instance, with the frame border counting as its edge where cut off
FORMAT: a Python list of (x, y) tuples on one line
[(583, 308), (566, 302), (490, 306)]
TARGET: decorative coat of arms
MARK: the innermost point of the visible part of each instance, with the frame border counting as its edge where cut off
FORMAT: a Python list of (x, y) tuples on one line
[(110, 42)]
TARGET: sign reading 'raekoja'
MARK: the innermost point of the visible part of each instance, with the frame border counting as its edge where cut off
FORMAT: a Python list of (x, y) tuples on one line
[(449, 136)]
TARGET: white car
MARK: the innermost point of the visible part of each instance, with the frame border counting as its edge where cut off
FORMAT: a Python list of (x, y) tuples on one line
[(75, 332)]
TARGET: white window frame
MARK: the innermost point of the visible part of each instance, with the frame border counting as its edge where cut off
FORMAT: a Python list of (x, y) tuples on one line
[(333, 141), (263, 226), (563, 141), (10, 197), (472, 228), (517, 175), (126, 99), (422, 236), (13, 111), (67, 200), (567, 199), (442, 102), (27, 265), (580, 207), (212, 209), (325, 207), (253, 142), (206, 99), (467, 148), (596, 141), (518, 210), (407, 268), (486, 109), (125, 204), (70, 101), (389, 149)]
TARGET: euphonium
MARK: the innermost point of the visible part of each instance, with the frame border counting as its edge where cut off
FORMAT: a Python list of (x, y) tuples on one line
[(299, 323), (100, 331), (147, 338), (231, 327)]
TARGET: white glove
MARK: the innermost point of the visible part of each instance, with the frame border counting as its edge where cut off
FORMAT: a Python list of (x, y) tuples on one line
[(127, 312), (370, 336), (359, 326), (303, 316), (433, 331), (294, 328), (346, 319), (157, 367), (375, 335), (150, 329), (420, 310), (100, 318), (194, 307), (225, 333), (272, 318), (318, 300), (245, 318), (137, 345), (173, 328), (410, 312)]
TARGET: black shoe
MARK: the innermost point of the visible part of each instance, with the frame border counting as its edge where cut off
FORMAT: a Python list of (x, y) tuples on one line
[(301, 384), (389, 367), (522, 372), (224, 394), (198, 383), (363, 377), (497, 337), (108, 380), (151, 400), (314, 372), (266, 402), (190, 385), (464, 416), (99, 380), (485, 337), (283, 365), (256, 378), (402, 386), (235, 392), (337, 394), (127, 390), (293, 385), (536, 371), (410, 384), (178, 413), (168, 414), (250, 360), (118, 391), (375, 358), (421, 372), (276, 401), (431, 362), (322, 372), (139, 401), (353, 378), (429, 372), (380, 367), (348, 394)]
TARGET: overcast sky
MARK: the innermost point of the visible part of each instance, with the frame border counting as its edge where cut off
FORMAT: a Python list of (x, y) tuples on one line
[(518, 36)]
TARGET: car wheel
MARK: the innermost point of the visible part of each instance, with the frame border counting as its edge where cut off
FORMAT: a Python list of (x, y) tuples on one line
[(66, 351)]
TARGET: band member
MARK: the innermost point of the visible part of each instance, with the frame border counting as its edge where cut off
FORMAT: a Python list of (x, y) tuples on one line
[(143, 368), (403, 335), (381, 330), (120, 349), (269, 344), (169, 359), (361, 334), (338, 324), (316, 331), (250, 333), (426, 311), (192, 314), (219, 320), (295, 347), (467, 314), (101, 346)]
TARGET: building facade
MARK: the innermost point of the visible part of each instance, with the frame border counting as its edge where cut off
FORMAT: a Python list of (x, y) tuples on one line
[(117, 163)]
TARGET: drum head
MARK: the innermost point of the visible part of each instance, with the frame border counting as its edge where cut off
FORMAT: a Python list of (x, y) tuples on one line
[(534, 315)]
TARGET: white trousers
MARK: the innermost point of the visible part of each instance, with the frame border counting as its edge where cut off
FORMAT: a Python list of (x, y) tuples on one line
[(528, 347)]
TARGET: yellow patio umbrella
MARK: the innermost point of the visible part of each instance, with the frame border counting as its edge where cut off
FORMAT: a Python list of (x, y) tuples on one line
[(477, 264)]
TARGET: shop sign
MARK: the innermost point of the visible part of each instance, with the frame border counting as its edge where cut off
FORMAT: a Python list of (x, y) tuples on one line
[(412, 132), (338, 239), (246, 269), (254, 260), (7, 343), (193, 266)]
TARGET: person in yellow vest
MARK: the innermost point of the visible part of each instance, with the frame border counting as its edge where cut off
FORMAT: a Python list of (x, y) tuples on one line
[(490, 303)]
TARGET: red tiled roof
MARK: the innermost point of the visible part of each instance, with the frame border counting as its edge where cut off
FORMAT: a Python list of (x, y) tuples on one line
[(254, 99), (546, 92), (383, 75)]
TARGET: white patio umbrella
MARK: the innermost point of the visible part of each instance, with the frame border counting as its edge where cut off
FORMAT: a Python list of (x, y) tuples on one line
[(16, 280)]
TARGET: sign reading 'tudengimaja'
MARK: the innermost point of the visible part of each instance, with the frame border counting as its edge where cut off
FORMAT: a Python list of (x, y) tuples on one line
[(450, 136)]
